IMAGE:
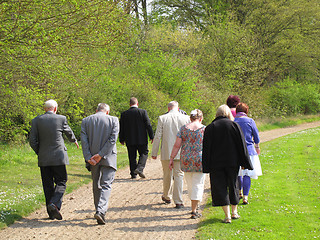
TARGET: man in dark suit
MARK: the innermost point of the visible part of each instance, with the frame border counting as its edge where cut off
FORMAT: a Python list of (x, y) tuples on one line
[(99, 133), (134, 130), (47, 142)]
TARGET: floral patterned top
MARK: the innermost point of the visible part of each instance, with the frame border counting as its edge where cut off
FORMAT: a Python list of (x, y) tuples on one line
[(191, 149)]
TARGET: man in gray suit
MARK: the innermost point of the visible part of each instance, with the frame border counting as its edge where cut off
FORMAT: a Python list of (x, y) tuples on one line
[(99, 133), (47, 142)]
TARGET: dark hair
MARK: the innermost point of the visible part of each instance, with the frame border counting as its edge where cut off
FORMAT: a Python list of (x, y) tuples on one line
[(232, 101), (133, 101), (242, 107)]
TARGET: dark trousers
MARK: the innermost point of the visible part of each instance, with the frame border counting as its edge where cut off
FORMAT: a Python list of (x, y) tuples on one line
[(143, 156), (54, 179), (224, 186)]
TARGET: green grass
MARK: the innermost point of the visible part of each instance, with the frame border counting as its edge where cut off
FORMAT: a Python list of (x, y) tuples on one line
[(21, 188), (284, 202), (269, 124)]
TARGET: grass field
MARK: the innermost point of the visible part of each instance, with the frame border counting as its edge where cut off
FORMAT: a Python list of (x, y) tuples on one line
[(284, 203)]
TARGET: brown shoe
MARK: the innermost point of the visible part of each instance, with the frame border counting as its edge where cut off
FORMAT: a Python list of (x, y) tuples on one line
[(166, 201)]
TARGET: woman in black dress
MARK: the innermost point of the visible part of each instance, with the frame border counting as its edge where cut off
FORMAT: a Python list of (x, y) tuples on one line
[(224, 151)]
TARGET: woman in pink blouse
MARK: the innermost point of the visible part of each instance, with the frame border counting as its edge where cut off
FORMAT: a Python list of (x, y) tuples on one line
[(189, 139), (232, 102)]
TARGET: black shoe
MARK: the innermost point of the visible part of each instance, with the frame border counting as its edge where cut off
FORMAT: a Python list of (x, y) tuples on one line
[(100, 218), (195, 215), (54, 212), (141, 174), (179, 206), (133, 176), (166, 201)]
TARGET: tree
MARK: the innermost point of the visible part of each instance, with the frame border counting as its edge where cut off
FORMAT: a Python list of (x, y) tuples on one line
[(44, 45)]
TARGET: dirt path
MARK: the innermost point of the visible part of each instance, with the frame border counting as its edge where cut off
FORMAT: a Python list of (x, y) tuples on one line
[(135, 209)]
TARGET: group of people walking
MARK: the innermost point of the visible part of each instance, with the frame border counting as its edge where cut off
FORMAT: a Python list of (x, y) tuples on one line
[(226, 149)]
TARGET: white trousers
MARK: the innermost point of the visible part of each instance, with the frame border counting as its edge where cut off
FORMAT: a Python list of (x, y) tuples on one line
[(195, 184)]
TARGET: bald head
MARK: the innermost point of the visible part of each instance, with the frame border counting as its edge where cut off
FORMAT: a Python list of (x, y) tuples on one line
[(173, 105)]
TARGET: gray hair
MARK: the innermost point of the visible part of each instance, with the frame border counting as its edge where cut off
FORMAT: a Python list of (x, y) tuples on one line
[(50, 105), (103, 107), (224, 111), (173, 104)]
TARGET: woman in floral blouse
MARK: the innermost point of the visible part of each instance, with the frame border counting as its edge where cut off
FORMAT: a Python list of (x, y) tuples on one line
[(189, 139)]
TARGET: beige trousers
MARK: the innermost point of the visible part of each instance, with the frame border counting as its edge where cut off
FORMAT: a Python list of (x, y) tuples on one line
[(172, 181)]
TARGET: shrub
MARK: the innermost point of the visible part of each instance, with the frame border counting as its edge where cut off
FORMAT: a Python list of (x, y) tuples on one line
[(290, 97)]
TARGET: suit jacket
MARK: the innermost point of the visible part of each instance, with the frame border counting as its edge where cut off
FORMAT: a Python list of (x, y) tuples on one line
[(47, 141), (168, 126), (99, 133), (224, 146), (135, 127)]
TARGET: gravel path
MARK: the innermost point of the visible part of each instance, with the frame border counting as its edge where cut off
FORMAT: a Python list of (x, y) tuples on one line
[(135, 209)]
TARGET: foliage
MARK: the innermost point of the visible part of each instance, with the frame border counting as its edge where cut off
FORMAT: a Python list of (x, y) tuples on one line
[(198, 13), (290, 97), (43, 48), (230, 58), (288, 33), (81, 53)]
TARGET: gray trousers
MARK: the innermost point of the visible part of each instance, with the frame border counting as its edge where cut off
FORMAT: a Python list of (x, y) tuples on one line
[(102, 178)]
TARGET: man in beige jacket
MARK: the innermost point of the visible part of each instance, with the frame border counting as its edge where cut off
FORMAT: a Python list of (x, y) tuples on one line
[(168, 126)]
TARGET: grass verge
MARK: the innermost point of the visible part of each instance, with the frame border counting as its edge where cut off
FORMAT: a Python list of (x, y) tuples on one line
[(284, 202), (269, 124)]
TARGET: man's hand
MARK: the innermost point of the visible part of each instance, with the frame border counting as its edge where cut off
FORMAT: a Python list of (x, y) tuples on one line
[(154, 157), (76, 143), (94, 159), (171, 164), (151, 140)]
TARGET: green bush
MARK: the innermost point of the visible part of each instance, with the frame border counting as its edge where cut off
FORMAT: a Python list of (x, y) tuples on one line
[(290, 97)]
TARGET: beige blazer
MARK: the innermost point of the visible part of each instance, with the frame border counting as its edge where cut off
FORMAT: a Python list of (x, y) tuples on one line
[(168, 126)]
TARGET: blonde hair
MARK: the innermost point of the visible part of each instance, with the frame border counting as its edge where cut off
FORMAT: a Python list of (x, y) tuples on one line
[(196, 114), (224, 111)]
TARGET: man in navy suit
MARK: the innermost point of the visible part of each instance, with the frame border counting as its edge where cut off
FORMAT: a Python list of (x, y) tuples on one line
[(47, 142), (134, 130)]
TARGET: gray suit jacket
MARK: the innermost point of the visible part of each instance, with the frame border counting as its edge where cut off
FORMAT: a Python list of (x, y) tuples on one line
[(99, 133), (47, 141)]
